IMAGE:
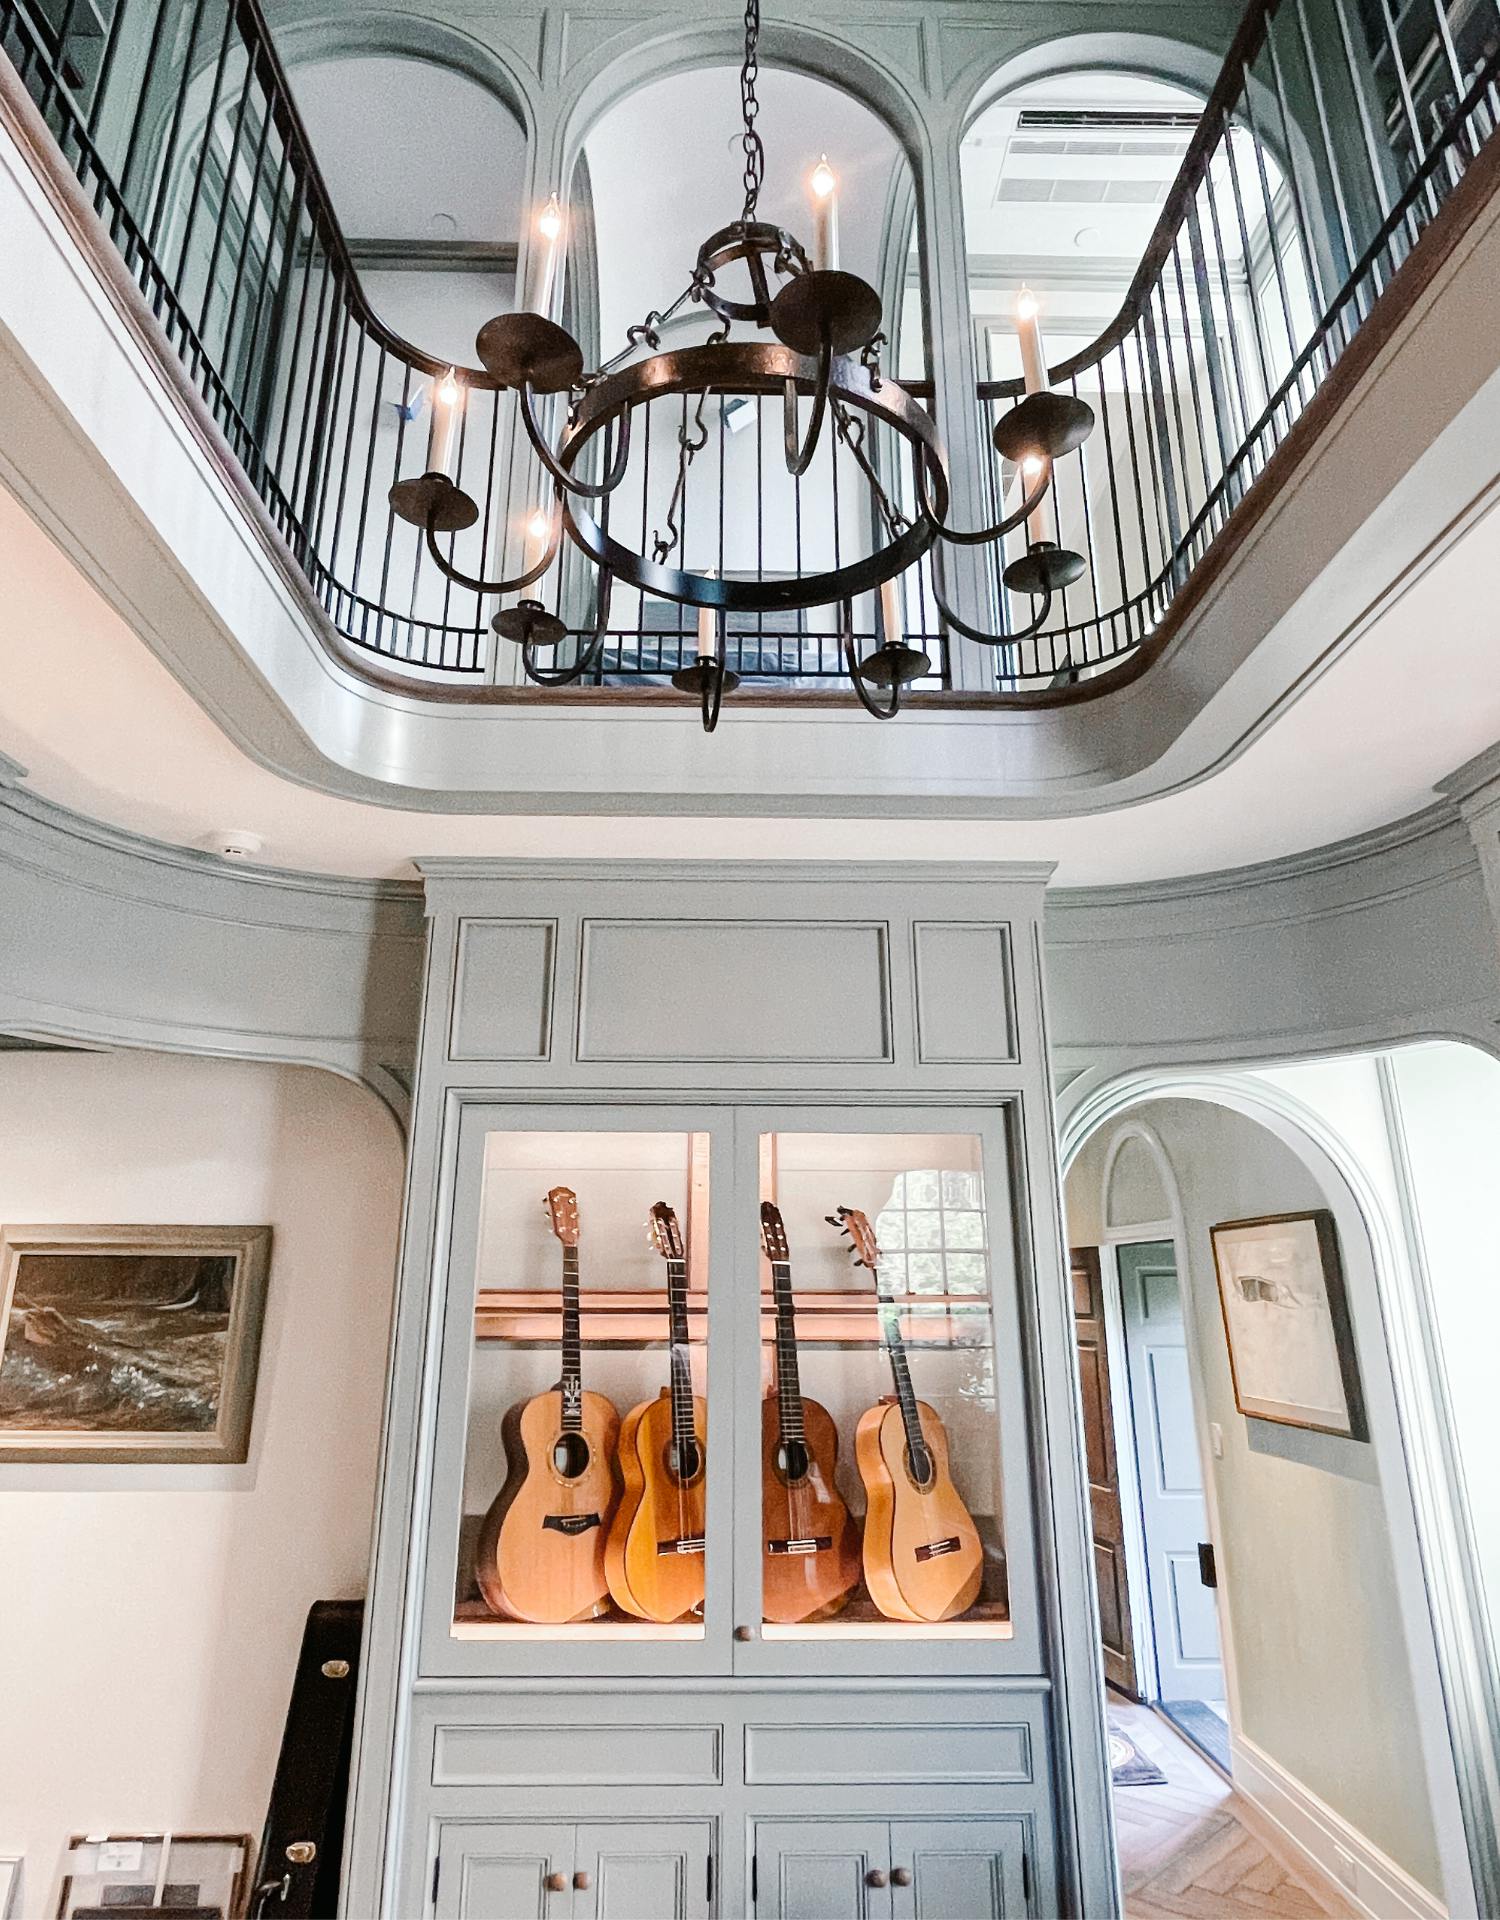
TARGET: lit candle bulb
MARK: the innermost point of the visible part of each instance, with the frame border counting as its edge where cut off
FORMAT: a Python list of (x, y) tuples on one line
[(538, 528), (550, 226), (825, 199), (1029, 334), (890, 613), (447, 410)]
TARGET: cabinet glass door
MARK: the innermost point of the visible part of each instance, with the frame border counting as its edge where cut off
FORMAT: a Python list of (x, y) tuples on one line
[(577, 1348), (887, 1313)]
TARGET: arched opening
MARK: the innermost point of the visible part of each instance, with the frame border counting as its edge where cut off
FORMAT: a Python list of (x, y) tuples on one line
[(707, 489), (1322, 1548), (432, 224)]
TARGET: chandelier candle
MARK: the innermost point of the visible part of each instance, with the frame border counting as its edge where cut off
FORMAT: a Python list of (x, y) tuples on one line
[(549, 225), (447, 411), (1029, 334), (825, 199)]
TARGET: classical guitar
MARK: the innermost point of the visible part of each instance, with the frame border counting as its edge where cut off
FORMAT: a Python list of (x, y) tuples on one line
[(810, 1544), (654, 1555), (540, 1553), (923, 1559)]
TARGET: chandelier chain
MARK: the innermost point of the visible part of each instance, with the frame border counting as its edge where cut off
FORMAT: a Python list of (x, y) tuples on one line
[(750, 140)]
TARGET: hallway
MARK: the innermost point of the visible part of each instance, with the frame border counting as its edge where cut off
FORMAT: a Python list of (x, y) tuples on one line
[(1185, 1852)]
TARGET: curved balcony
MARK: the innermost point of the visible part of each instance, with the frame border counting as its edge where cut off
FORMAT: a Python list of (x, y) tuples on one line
[(1332, 139)]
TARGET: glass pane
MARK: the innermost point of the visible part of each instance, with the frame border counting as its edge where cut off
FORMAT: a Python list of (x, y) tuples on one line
[(584, 1474), (880, 1496)]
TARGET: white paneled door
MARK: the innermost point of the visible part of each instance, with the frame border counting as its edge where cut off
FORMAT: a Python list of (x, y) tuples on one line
[(1184, 1620)]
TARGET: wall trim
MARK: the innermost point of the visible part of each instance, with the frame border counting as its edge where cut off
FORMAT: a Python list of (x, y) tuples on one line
[(1310, 1831)]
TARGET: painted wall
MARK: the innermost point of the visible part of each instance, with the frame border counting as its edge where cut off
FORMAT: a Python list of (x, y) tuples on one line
[(152, 1615), (1321, 1679)]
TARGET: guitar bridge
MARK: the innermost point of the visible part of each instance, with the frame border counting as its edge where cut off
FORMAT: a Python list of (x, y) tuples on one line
[(935, 1549), (819, 1543), (689, 1543), (569, 1523)]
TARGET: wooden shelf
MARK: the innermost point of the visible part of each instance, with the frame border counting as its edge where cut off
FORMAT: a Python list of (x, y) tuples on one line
[(860, 1620), (626, 1318)]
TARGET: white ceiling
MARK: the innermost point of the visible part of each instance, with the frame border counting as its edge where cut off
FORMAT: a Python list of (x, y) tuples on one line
[(411, 151), (105, 729)]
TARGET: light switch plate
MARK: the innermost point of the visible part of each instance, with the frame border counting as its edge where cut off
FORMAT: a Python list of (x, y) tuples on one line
[(1216, 1439), (1348, 1870)]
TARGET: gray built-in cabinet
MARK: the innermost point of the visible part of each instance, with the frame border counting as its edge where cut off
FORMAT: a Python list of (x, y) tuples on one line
[(704, 1040)]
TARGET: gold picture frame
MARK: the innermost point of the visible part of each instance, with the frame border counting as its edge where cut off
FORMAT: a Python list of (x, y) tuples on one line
[(1287, 1324), (130, 1344)]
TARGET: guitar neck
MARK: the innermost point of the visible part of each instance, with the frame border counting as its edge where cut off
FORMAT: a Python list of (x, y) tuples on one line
[(572, 1345), (788, 1383), (681, 1370), (895, 1346)]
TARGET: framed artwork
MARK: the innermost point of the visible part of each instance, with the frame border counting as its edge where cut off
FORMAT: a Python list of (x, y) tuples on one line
[(1286, 1319), (130, 1343), (130, 1876)]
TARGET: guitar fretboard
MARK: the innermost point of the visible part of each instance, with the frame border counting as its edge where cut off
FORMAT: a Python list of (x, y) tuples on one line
[(572, 1348), (788, 1384), (906, 1398), (681, 1371)]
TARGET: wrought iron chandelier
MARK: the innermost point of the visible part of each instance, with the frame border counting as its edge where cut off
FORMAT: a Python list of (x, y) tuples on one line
[(825, 351)]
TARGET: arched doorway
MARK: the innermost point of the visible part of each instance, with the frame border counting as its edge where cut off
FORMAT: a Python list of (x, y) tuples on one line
[(1338, 1740)]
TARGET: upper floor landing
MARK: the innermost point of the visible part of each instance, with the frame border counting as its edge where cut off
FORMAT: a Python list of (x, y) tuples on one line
[(245, 259)]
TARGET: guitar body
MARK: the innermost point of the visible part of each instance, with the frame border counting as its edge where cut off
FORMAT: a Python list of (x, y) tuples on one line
[(540, 1552), (904, 1523), (807, 1585), (655, 1508)]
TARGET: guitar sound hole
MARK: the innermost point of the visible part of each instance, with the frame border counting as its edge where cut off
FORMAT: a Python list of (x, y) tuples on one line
[(792, 1460), (919, 1466), (570, 1455), (684, 1459)]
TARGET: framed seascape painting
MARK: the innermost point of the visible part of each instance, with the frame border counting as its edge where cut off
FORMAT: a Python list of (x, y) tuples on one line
[(130, 1343), (1286, 1319)]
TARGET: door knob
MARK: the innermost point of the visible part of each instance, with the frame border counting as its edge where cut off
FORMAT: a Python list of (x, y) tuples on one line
[(875, 1877), (582, 1881), (556, 1883), (744, 1633), (901, 1876)]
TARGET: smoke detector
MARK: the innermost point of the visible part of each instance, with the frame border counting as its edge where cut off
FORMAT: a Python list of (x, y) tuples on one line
[(232, 843)]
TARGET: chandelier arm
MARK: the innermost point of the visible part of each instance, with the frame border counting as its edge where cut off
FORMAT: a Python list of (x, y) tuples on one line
[(982, 536), (799, 459), (977, 633), (711, 693), (588, 490), (462, 579), (587, 659), (851, 667)]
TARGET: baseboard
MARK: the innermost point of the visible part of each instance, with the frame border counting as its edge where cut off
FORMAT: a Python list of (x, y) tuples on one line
[(1311, 1831)]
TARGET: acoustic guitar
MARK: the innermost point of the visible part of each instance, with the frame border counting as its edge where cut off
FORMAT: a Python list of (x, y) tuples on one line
[(922, 1554), (810, 1544), (654, 1555), (540, 1552)]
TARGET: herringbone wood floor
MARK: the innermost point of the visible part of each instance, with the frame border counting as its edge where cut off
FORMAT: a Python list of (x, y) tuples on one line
[(1185, 1854)]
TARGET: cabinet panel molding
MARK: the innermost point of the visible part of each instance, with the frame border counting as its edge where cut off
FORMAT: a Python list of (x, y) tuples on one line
[(965, 993), (887, 1753), (730, 991), (503, 990), (557, 1754)]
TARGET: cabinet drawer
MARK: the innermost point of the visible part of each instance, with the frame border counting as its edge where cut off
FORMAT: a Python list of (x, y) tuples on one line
[(880, 1752), (577, 1755)]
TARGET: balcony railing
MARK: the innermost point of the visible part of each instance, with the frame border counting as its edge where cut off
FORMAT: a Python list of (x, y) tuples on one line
[(1334, 136)]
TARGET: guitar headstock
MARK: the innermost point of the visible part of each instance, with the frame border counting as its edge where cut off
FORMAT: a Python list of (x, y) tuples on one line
[(773, 1232), (862, 1242), (664, 1233), (562, 1210)]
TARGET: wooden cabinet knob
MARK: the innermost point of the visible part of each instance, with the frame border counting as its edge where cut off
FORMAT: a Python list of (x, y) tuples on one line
[(900, 1876), (582, 1881), (875, 1877), (556, 1883)]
